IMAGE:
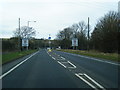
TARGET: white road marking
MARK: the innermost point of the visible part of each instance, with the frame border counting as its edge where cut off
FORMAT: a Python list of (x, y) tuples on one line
[(94, 82), (64, 62), (61, 64), (63, 58), (86, 81), (93, 59), (16, 66), (72, 65), (80, 74), (53, 58)]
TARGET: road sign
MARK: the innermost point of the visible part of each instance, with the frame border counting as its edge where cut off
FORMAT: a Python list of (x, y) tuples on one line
[(49, 38), (25, 42), (74, 42)]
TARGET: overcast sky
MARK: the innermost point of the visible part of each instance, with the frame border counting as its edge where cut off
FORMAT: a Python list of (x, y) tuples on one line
[(50, 15)]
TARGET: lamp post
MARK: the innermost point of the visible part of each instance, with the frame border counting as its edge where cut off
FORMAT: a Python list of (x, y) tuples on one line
[(28, 27), (29, 22)]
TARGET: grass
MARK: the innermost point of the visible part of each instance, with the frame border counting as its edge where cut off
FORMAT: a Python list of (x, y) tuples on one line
[(96, 54), (15, 55)]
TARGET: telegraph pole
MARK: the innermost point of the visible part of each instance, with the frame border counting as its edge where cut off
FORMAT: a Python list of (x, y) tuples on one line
[(19, 43), (88, 35)]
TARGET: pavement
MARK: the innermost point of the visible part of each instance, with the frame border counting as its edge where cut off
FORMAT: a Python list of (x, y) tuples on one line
[(56, 69)]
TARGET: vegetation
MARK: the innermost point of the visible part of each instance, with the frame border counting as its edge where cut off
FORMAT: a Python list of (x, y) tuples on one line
[(103, 38), (15, 55), (93, 53), (105, 35)]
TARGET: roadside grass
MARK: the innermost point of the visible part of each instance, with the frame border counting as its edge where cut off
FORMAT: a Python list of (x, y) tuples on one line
[(15, 55), (96, 54)]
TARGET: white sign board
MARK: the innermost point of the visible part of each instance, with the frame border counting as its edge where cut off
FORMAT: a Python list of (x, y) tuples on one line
[(74, 42), (25, 42)]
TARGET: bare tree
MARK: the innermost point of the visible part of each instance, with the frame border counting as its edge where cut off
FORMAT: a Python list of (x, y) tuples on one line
[(25, 32), (65, 34)]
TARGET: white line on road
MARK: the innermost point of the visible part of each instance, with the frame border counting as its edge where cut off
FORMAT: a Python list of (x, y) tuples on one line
[(94, 82), (93, 59), (71, 64), (53, 58), (61, 64), (16, 66), (85, 81), (83, 74), (63, 58)]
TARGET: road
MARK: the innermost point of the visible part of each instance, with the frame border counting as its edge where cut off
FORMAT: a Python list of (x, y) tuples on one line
[(56, 69)]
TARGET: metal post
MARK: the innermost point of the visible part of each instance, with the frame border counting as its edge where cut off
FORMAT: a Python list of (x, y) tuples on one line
[(88, 34), (19, 43), (28, 28)]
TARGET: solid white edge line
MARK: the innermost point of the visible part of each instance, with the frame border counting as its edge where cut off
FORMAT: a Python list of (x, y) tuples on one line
[(95, 82), (86, 81), (93, 58), (16, 66), (61, 64)]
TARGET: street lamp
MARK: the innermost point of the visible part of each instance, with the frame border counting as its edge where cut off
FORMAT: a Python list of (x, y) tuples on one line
[(30, 21), (28, 27)]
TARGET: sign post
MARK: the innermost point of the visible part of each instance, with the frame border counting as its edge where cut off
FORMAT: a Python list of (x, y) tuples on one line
[(74, 43), (49, 41), (25, 43)]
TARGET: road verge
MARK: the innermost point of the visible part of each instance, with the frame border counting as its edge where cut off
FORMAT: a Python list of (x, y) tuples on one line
[(96, 54), (15, 55)]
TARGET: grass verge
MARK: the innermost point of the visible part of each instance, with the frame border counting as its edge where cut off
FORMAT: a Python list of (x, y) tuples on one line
[(96, 54), (15, 55)]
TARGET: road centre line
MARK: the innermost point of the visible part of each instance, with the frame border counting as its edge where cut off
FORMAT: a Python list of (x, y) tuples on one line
[(94, 82), (16, 66), (61, 64), (79, 75), (53, 58), (64, 62), (85, 81), (93, 59), (63, 58), (72, 64)]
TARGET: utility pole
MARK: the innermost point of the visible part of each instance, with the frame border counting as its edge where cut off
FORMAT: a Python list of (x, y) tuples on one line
[(19, 42), (88, 35)]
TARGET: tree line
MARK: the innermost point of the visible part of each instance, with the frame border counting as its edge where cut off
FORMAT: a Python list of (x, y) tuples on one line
[(103, 38)]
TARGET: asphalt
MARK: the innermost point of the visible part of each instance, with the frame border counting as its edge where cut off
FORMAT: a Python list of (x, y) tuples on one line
[(60, 70), (40, 71), (106, 74)]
